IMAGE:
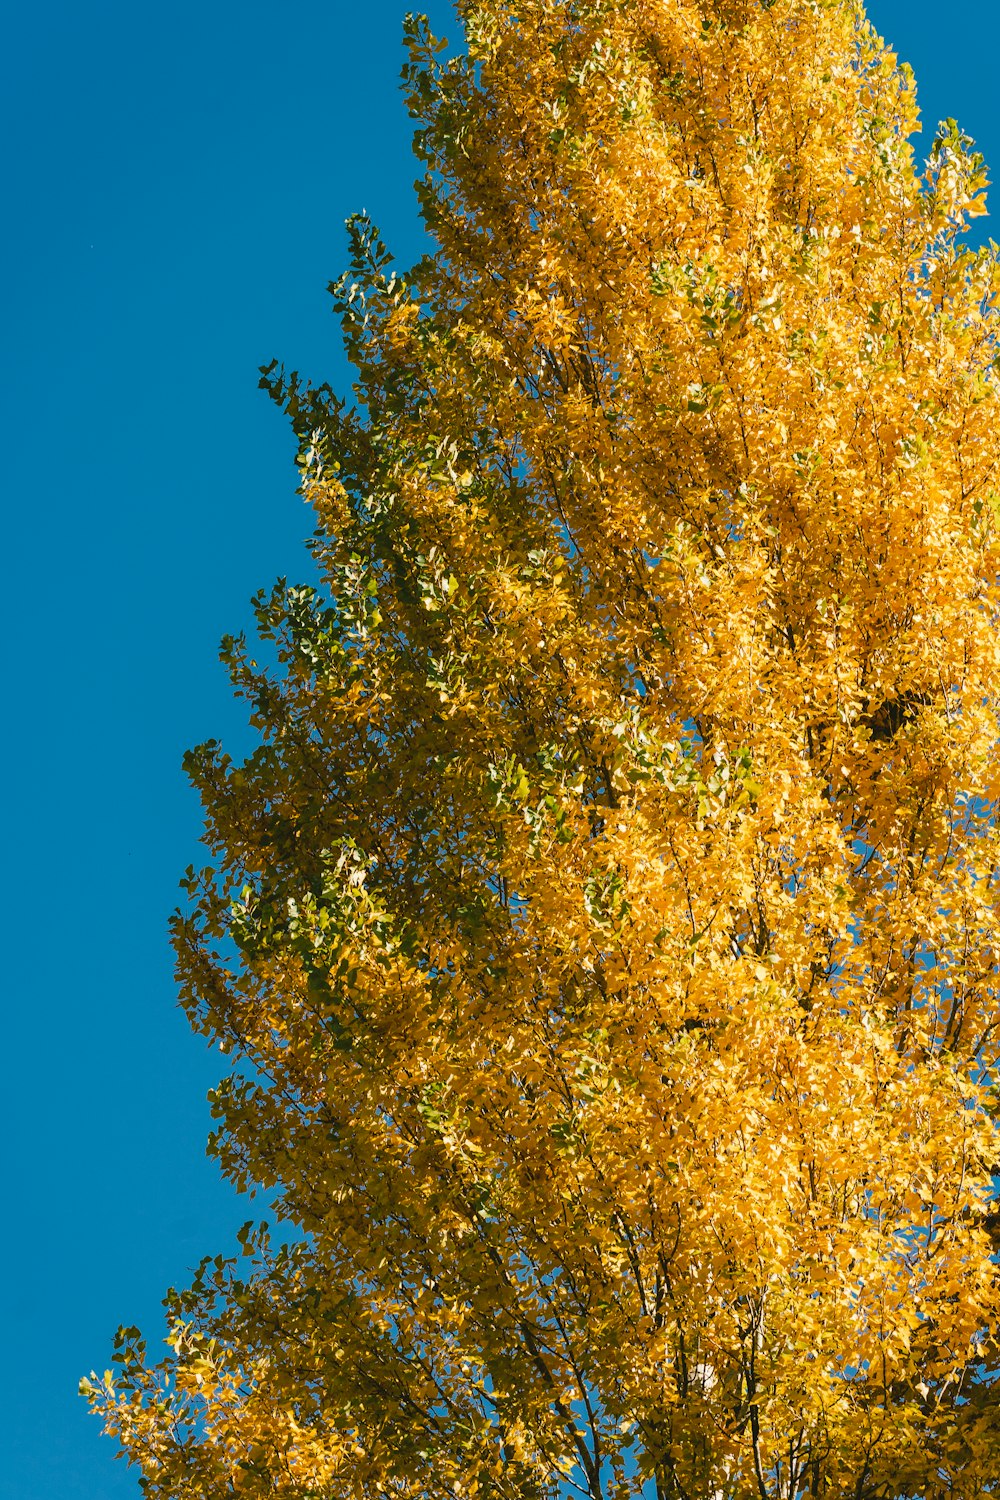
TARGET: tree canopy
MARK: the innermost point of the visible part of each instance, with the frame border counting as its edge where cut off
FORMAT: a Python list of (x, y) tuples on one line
[(605, 929)]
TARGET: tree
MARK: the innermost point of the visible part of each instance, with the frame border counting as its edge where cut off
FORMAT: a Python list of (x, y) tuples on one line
[(605, 930)]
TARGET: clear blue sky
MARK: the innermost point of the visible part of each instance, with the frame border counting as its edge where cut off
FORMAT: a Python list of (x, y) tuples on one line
[(175, 183)]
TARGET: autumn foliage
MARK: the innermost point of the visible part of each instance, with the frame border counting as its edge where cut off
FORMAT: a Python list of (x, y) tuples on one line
[(605, 931)]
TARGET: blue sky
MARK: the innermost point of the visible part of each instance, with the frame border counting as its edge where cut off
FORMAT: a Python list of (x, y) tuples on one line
[(174, 184)]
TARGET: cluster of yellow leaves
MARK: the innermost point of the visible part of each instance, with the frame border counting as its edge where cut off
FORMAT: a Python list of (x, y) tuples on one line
[(606, 927)]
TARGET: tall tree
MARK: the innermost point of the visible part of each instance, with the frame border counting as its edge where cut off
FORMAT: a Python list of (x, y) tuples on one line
[(605, 930)]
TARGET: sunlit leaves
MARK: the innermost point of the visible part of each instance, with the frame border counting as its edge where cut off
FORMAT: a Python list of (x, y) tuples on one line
[(605, 930)]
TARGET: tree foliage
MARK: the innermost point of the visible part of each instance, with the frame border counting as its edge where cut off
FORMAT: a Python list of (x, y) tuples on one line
[(605, 930)]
